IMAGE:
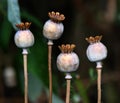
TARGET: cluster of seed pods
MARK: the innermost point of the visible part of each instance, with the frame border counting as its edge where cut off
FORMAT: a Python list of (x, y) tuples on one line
[(67, 60)]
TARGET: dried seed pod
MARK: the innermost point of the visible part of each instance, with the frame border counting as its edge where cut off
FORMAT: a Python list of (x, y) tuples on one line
[(67, 60), (96, 51), (24, 37), (53, 28)]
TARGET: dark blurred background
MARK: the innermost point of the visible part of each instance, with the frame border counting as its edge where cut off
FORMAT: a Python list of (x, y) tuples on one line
[(84, 18)]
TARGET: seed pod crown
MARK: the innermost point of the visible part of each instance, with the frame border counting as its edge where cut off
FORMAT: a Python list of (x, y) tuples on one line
[(67, 48), (95, 39), (23, 26), (96, 51), (56, 16)]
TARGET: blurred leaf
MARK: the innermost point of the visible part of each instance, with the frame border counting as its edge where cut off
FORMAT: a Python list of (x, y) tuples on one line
[(2, 7), (31, 18), (76, 98), (35, 86), (13, 12), (55, 98), (37, 61), (92, 74), (5, 33), (82, 91)]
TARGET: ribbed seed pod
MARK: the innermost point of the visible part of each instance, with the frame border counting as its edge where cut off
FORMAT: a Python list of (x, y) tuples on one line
[(53, 28), (24, 37), (67, 60), (96, 50)]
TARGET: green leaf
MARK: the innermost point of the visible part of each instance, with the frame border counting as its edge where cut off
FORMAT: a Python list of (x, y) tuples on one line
[(82, 91), (37, 61), (55, 98), (5, 33), (92, 74), (2, 7), (35, 87), (13, 12), (31, 18)]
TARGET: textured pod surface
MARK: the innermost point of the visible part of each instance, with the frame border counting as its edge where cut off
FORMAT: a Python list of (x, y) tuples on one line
[(96, 52), (24, 38), (67, 62), (52, 30)]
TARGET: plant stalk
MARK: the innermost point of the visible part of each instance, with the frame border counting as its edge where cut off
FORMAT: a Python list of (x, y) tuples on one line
[(99, 84), (68, 91), (50, 43), (99, 70), (68, 79), (25, 75)]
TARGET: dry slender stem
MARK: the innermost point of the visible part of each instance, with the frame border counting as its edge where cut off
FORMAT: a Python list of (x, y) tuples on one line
[(68, 91), (99, 84), (50, 71), (25, 77), (68, 78)]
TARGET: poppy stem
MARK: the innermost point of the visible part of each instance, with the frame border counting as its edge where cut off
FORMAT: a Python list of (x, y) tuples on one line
[(50, 43), (25, 52), (68, 78), (99, 70)]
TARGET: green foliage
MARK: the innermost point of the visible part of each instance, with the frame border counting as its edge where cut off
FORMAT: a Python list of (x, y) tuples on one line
[(13, 12), (5, 33), (82, 91), (36, 21), (37, 61), (92, 74), (3, 4)]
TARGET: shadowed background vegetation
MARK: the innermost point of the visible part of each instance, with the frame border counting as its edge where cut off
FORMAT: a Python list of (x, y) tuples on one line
[(84, 18)]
